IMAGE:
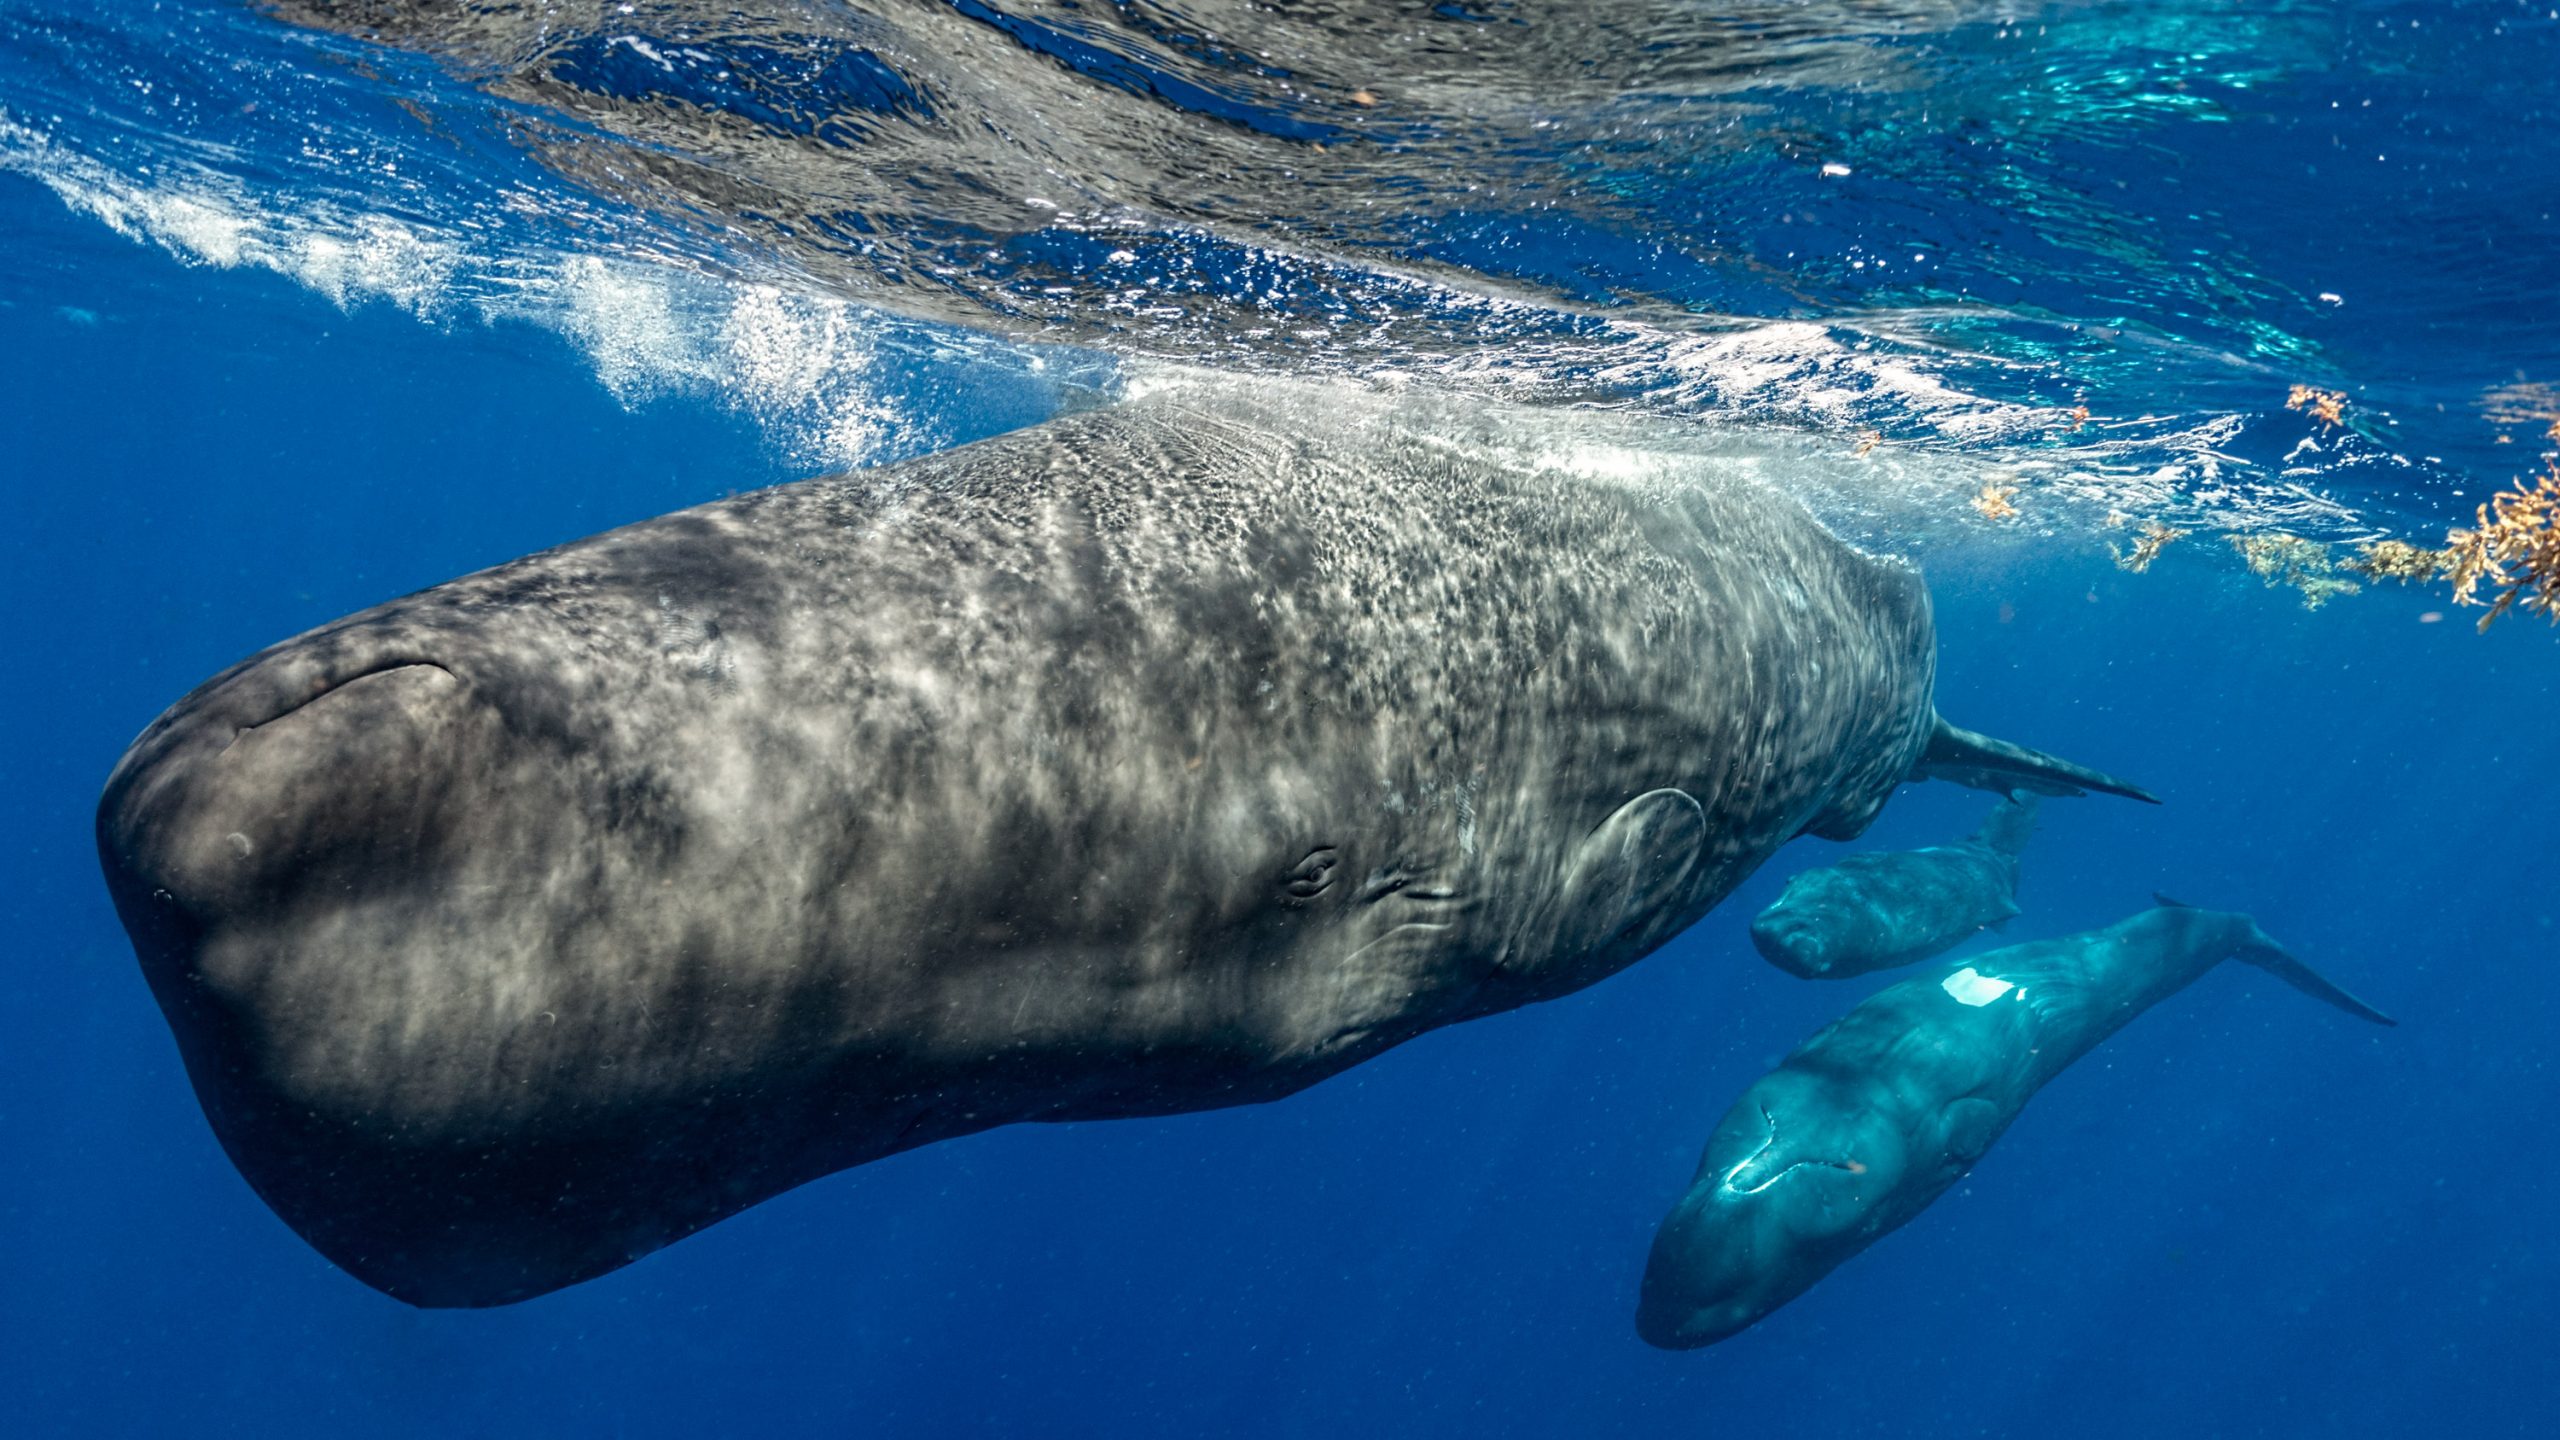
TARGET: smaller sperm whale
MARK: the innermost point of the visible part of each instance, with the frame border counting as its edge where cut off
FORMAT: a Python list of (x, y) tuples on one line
[(1878, 911), (1872, 1119)]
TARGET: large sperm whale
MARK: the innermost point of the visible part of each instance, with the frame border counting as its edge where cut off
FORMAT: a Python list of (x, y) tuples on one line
[(1880, 911), (1159, 758), (1872, 1119)]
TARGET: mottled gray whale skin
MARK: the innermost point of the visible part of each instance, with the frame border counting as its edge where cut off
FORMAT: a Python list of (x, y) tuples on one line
[(1159, 758), (1868, 1122), (1891, 908)]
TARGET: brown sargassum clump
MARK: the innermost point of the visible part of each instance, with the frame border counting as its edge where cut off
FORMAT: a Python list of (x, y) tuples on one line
[(2329, 407), (2399, 560), (2281, 559), (2148, 541), (2513, 550)]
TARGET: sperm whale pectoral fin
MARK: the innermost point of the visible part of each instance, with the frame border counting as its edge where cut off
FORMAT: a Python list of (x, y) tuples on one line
[(1630, 872), (1960, 755), (2267, 955), (1970, 1124)]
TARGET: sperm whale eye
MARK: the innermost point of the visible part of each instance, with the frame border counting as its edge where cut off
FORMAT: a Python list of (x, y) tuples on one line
[(1313, 875)]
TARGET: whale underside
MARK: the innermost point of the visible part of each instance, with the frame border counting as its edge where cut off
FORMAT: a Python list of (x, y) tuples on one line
[(1164, 757)]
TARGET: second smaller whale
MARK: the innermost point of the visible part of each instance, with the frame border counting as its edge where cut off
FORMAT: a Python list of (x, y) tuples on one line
[(1871, 1120), (1878, 911)]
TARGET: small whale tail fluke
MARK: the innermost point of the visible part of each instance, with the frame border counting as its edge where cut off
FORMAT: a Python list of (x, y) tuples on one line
[(2263, 952), (2279, 962), (1966, 758)]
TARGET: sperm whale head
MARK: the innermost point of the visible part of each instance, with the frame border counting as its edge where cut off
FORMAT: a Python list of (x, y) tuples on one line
[(1800, 932), (1792, 1184), (304, 851), (378, 877)]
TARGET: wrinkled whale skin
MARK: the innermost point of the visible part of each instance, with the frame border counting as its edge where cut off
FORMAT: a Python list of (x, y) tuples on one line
[(1865, 1125), (1159, 758)]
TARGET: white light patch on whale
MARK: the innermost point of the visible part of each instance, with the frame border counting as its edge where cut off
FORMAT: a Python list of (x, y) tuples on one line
[(1971, 987), (1749, 1160)]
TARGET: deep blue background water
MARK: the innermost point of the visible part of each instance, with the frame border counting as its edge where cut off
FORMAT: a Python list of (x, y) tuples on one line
[(2246, 1215)]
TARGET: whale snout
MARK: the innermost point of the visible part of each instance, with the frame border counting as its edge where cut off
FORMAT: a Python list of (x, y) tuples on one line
[(1791, 942), (266, 838), (277, 784), (1720, 1264), (1798, 1177), (372, 877), (283, 846), (1669, 1317)]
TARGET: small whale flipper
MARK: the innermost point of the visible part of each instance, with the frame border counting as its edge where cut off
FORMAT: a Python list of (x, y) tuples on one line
[(1966, 758), (2276, 960), (1630, 872)]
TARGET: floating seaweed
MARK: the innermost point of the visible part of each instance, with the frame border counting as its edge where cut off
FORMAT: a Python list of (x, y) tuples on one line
[(2329, 407), (2380, 560), (2526, 402), (1993, 502), (2281, 559), (2514, 549), (2148, 541)]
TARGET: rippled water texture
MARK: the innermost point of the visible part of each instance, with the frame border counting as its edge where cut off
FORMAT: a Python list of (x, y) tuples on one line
[(2089, 246)]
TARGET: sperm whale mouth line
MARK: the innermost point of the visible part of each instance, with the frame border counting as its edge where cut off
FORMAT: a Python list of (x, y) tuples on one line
[(1754, 1158), (325, 687), (1815, 1162)]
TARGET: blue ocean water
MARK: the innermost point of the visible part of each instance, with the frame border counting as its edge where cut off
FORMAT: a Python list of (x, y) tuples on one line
[(295, 321)]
